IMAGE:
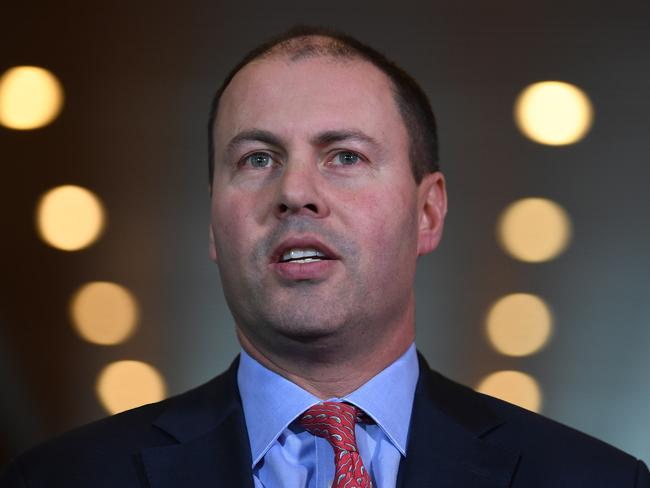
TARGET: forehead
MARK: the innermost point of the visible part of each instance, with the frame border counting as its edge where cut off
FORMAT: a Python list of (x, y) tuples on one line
[(310, 94)]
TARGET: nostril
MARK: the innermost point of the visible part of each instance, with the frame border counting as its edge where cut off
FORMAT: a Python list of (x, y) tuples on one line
[(286, 209)]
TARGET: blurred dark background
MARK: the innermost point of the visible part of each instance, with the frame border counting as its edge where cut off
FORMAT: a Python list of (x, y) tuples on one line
[(138, 78)]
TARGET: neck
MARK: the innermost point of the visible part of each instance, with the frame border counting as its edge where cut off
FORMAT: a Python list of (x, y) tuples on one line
[(337, 367)]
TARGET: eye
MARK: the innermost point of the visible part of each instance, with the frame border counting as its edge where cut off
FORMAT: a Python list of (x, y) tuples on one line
[(258, 160), (346, 158)]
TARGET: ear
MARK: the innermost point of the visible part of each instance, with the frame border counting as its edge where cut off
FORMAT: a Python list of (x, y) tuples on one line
[(432, 208), (213, 247)]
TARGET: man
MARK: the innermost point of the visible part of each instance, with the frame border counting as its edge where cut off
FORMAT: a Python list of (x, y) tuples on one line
[(325, 190)]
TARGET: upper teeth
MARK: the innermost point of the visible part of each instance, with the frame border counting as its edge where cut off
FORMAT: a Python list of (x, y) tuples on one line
[(301, 254)]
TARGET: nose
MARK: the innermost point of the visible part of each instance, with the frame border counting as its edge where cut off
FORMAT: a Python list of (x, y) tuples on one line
[(300, 192)]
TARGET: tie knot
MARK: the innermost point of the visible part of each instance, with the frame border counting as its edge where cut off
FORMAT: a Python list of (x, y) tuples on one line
[(335, 422)]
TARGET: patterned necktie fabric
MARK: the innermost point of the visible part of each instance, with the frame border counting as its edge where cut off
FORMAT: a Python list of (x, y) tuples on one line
[(334, 421)]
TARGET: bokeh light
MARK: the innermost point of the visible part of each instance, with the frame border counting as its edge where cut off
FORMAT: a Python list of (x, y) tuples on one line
[(30, 97), (514, 387), (128, 384), (70, 217), (104, 313), (553, 113), (534, 229), (519, 324)]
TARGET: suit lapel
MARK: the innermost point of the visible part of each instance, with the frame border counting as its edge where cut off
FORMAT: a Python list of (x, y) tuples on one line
[(446, 446), (212, 446)]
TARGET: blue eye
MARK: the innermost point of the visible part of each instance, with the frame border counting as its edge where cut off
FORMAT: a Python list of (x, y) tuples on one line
[(347, 158), (258, 160)]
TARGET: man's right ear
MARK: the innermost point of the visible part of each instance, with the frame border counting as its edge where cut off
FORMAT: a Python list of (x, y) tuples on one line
[(212, 251), (213, 247)]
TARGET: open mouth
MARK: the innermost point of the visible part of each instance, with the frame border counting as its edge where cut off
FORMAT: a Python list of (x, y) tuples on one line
[(302, 255), (302, 250), (303, 259)]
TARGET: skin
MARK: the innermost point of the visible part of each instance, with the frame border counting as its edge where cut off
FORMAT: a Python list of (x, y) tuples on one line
[(333, 332)]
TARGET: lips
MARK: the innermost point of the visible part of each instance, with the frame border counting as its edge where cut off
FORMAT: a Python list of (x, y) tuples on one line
[(311, 271), (324, 252)]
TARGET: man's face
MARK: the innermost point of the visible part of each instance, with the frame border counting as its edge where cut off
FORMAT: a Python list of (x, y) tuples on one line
[(316, 217)]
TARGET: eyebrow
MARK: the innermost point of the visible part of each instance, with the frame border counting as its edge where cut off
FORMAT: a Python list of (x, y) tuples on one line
[(320, 139), (253, 135), (332, 136)]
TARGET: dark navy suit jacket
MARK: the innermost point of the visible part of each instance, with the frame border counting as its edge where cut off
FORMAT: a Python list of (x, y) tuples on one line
[(458, 438)]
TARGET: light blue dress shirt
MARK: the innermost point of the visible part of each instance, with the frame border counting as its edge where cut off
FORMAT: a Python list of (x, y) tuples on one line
[(286, 455)]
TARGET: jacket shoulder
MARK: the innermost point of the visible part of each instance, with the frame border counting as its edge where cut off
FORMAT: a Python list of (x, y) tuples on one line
[(551, 453), (106, 452), (102, 450)]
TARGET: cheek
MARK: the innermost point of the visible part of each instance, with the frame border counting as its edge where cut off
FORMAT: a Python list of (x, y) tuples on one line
[(387, 229), (229, 220)]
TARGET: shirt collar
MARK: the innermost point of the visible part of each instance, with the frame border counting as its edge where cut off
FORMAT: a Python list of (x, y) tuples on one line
[(271, 402)]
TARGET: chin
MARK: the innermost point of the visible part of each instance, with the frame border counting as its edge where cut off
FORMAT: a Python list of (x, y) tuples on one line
[(307, 325), (307, 329)]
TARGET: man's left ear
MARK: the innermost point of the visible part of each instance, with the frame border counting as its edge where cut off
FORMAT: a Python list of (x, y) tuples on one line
[(432, 208)]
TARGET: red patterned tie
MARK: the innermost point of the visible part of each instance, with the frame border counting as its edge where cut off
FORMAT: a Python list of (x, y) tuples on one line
[(335, 422)]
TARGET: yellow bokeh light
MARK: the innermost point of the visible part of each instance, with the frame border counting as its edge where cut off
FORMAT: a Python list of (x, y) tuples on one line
[(534, 229), (123, 385), (519, 324), (514, 387), (553, 113), (30, 97), (70, 217), (104, 313)]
